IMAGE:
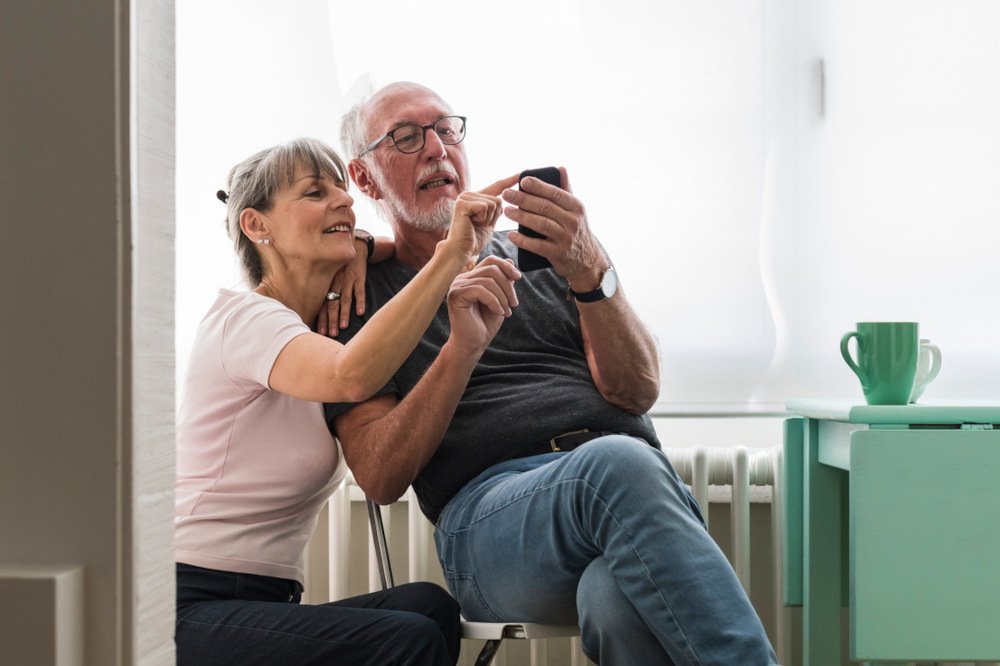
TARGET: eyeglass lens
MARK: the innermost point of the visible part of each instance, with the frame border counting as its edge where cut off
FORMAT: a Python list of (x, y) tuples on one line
[(410, 138)]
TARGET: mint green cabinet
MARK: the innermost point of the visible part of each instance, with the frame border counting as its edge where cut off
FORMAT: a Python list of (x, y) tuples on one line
[(894, 512)]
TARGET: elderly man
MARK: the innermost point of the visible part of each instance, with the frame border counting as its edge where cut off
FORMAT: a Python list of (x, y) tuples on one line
[(525, 437)]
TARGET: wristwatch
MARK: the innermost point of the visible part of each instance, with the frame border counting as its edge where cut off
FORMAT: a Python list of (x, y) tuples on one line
[(607, 288), (367, 239)]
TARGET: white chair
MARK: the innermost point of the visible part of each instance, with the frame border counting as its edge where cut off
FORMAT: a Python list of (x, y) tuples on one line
[(491, 632)]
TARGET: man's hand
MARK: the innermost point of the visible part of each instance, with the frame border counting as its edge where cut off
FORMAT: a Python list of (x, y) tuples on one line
[(478, 302), (621, 353), (560, 217)]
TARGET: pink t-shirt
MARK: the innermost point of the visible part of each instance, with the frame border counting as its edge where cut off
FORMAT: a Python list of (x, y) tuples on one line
[(254, 466)]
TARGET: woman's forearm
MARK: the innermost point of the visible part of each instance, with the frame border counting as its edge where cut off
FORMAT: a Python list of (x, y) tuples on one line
[(319, 369), (370, 359)]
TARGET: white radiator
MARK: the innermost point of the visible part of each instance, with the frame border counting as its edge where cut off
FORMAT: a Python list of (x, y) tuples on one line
[(337, 567)]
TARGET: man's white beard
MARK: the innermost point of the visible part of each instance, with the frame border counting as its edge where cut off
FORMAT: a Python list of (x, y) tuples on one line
[(436, 219), (391, 207)]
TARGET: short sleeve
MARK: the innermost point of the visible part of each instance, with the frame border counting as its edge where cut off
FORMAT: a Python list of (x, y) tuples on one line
[(254, 335)]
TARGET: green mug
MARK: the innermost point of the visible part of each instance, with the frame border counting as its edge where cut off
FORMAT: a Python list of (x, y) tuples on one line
[(887, 360)]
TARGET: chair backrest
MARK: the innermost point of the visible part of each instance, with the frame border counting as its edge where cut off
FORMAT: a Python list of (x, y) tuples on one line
[(380, 543)]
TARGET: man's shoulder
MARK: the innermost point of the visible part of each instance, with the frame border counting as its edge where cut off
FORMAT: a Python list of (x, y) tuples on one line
[(388, 277)]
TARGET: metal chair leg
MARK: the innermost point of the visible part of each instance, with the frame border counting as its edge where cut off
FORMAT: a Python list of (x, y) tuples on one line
[(489, 651), (381, 546)]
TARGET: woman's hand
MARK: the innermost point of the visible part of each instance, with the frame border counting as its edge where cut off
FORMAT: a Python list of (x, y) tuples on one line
[(475, 216), (346, 289)]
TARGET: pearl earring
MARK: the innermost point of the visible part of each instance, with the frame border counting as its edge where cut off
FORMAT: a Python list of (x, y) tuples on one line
[(264, 241)]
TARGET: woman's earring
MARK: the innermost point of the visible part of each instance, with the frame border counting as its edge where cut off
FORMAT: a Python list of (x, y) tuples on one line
[(264, 241)]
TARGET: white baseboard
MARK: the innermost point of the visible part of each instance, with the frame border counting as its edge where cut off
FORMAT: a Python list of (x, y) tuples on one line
[(41, 615)]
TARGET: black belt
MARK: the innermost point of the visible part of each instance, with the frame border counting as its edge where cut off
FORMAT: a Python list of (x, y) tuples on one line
[(570, 440)]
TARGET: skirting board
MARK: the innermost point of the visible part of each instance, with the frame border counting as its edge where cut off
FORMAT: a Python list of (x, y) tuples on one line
[(41, 614)]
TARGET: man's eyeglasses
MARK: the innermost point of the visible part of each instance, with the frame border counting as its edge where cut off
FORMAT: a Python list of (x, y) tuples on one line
[(411, 138)]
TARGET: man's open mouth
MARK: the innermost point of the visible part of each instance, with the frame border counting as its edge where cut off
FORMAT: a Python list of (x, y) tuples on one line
[(437, 182)]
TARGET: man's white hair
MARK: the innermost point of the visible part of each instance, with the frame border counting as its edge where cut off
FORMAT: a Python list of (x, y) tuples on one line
[(354, 139)]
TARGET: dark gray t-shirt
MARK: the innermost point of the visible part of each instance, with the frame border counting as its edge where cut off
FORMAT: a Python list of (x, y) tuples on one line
[(530, 385)]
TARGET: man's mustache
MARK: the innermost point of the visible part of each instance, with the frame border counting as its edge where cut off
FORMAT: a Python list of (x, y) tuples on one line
[(439, 168)]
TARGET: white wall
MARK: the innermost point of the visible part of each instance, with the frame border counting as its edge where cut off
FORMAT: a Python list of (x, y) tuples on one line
[(86, 176)]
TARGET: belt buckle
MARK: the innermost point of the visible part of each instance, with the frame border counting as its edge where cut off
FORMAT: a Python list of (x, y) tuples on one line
[(552, 442)]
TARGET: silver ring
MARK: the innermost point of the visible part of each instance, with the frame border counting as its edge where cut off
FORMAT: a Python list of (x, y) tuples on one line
[(332, 296)]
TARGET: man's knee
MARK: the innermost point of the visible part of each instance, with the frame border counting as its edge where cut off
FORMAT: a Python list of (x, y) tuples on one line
[(621, 457), (626, 467)]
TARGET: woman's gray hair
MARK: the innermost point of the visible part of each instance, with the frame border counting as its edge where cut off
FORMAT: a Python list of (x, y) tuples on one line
[(253, 182)]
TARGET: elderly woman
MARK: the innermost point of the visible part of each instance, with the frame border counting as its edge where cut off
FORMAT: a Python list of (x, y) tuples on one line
[(255, 461)]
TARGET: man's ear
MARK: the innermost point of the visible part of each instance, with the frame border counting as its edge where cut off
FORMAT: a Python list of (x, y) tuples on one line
[(361, 176), (253, 224)]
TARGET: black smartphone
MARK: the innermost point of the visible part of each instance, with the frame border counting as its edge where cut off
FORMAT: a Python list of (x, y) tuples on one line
[(529, 261)]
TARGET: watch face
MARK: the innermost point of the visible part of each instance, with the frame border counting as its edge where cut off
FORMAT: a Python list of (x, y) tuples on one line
[(607, 288), (609, 283)]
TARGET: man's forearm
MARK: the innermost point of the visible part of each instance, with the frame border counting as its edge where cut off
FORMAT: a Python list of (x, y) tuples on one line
[(386, 453), (621, 353)]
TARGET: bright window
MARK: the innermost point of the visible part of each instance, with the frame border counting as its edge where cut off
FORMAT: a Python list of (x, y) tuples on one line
[(763, 174)]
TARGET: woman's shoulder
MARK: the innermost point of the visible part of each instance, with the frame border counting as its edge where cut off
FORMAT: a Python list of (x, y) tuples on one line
[(232, 301), (248, 308)]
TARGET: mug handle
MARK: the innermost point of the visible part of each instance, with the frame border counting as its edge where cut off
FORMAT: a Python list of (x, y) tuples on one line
[(845, 352), (935, 363)]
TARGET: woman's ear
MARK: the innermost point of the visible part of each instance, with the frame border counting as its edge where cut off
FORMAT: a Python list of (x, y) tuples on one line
[(361, 176), (254, 225)]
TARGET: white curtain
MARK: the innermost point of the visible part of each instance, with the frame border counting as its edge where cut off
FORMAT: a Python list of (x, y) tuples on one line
[(894, 178), (754, 214)]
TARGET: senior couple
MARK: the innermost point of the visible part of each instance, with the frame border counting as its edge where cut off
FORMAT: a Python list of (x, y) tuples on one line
[(515, 404)]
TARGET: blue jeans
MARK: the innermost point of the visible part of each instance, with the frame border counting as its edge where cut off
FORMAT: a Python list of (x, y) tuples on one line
[(246, 620), (607, 536)]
